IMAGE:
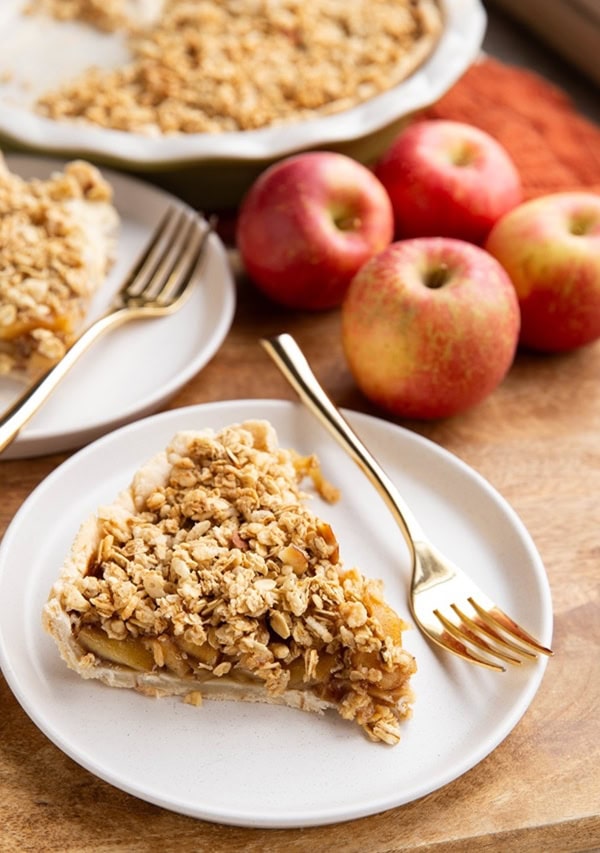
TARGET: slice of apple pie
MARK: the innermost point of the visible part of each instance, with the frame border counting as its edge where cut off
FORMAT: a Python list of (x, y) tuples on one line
[(56, 237), (210, 577)]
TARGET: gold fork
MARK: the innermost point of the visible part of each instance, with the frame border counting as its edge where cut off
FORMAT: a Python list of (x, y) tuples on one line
[(158, 285), (447, 606)]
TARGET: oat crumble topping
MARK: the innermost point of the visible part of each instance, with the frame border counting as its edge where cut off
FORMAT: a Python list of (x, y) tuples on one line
[(106, 15), (223, 571), (48, 270), (228, 65)]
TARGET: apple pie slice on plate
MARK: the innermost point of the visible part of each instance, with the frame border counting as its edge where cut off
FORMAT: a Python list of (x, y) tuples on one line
[(210, 577), (57, 239)]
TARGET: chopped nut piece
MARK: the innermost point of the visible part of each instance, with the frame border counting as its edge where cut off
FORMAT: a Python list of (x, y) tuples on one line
[(295, 557), (279, 624)]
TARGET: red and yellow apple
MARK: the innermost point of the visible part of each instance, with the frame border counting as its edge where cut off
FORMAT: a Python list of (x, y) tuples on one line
[(430, 327), (550, 248), (448, 179), (308, 223)]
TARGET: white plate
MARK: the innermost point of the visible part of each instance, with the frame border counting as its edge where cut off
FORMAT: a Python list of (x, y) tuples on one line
[(258, 765), (38, 54), (133, 370)]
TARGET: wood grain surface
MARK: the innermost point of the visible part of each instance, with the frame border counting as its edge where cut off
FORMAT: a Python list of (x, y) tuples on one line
[(537, 440)]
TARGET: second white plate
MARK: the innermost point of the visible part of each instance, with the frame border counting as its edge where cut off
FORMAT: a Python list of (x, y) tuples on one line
[(133, 370), (259, 765)]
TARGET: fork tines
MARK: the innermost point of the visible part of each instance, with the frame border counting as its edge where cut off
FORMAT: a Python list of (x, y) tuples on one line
[(175, 248), (489, 630)]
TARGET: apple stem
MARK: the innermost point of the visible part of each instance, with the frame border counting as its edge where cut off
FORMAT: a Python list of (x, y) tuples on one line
[(347, 223), (463, 155), (436, 277), (581, 225)]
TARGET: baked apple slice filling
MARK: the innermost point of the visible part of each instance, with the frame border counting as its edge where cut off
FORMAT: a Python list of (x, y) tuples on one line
[(210, 577)]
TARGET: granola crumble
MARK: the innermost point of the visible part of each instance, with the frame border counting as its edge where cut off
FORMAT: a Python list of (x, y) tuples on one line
[(234, 65), (218, 569), (52, 261), (106, 15)]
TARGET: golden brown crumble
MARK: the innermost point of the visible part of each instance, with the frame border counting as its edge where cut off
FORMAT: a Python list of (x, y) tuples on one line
[(223, 571), (107, 15), (230, 65), (49, 268)]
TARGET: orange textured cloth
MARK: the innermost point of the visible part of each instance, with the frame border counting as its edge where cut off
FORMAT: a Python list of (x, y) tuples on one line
[(554, 147)]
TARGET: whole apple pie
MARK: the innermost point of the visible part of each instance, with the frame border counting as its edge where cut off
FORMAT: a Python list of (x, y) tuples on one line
[(56, 237), (236, 65), (209, 577)]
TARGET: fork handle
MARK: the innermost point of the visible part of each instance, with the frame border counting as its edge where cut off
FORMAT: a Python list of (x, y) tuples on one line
[(289, 358), (27, 404)]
